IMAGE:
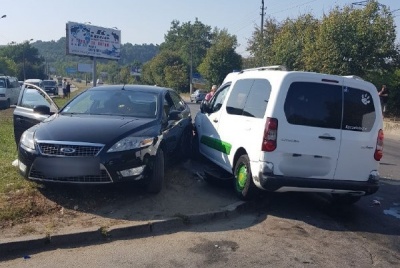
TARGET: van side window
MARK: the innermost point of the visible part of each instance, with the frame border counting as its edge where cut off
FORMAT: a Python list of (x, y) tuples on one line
[(238, 96), (249, 97), (218, 98), (314, 105), (359, 110), (257, 99)]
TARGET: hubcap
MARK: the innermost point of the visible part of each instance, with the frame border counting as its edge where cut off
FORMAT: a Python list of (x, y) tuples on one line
[(241, 177)]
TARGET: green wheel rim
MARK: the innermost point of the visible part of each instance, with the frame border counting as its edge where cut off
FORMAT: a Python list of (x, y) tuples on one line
[(241, 177)]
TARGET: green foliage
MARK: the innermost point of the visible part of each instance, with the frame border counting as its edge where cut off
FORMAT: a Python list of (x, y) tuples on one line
[(8, 66), (354, 41), (221, 58), (166, 69), (23, 60), (189, 40)]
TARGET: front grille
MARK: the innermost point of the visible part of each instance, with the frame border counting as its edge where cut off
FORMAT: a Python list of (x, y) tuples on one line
[(58, 149), (102, 178)]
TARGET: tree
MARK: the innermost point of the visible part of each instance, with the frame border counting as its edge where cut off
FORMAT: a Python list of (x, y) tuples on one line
[(221, 57), (8, 66), (260, 43), (166, 69), (353, 41), (29, 64), (288, 46)]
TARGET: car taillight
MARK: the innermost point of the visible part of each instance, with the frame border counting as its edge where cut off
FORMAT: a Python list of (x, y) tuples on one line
[(270, 135), (379, 146)]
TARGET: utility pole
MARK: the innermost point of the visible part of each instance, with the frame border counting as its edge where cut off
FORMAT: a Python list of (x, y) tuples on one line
[(262, 32)]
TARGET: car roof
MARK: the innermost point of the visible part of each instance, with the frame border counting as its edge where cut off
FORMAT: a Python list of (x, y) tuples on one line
[(153, 89)]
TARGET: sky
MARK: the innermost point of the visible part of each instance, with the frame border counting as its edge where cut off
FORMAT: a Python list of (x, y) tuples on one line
[(147, 21)]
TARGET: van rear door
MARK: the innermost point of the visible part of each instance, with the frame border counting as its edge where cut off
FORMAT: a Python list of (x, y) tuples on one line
[(362, 119), (309, 124)]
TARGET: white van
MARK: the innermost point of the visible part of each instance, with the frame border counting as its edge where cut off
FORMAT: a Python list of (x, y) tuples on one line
[(294, 131), (9, 91)]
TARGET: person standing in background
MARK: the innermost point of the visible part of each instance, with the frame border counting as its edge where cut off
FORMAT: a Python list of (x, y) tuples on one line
[(64, 87), (384, 95), (68, 90), (211, 93)]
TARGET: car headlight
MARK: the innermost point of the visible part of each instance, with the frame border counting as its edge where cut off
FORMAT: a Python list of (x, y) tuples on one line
[(130, 143), (27, 139)]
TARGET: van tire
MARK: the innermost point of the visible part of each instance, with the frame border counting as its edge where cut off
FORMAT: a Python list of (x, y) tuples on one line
[(344, 199), (155, 179), (243, 180)]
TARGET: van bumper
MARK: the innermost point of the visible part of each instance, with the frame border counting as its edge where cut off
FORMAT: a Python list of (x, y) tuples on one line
[(275, 183)]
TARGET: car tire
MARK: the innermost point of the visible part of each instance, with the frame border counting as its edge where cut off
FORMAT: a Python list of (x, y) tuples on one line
[(155, 179), (6, 104), (243, 180), (344, 199)]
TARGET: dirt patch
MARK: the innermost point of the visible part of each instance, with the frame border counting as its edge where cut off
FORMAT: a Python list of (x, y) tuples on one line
[(66, 208)]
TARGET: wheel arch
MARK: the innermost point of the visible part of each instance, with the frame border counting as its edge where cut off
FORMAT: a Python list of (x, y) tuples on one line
[(239, 152)]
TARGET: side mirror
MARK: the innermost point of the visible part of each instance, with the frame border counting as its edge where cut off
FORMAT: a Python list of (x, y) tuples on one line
[(174, 115), (41, 109)]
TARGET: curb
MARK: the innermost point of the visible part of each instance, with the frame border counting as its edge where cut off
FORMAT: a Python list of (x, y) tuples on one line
[(94, 235)]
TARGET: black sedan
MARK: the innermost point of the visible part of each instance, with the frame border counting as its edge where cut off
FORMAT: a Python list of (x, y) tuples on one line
[(104, 135)]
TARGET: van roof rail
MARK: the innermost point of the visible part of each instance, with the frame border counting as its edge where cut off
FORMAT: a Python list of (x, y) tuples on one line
[(263, 68), (353, 77)]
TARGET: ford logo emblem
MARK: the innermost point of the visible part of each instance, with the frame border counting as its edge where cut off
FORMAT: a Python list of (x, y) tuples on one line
[(67, 150)]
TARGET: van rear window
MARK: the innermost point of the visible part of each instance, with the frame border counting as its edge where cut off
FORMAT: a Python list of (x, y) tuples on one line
[(359, 110), (314, 105)]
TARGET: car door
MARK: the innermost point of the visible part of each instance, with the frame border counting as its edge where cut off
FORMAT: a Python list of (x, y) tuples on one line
[(360, 127), (309, 126), (210, 144), (27, 112)]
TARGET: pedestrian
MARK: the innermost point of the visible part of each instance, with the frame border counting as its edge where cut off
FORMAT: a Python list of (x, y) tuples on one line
[(211, 93), (64, 87), (384, 95), (68, 90)]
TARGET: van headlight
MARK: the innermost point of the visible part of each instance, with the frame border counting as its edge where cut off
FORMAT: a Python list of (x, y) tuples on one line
[(27, 139), (130, 143)]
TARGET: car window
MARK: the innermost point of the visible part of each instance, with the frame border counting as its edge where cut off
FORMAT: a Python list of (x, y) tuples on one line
[(314, 105), (218, 98), (257, 100), (178, 102), (2, 83), (249, 97), (112, 102), (358, 111), (32, 97)]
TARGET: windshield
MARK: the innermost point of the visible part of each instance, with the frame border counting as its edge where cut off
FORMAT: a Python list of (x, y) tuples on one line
[(114, 102), (2, 83)]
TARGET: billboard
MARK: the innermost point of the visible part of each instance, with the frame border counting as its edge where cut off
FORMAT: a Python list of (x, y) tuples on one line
[(93, 41)]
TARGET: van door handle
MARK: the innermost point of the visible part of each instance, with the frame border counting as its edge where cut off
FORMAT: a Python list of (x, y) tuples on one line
[(327, 138), (215, 120)]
